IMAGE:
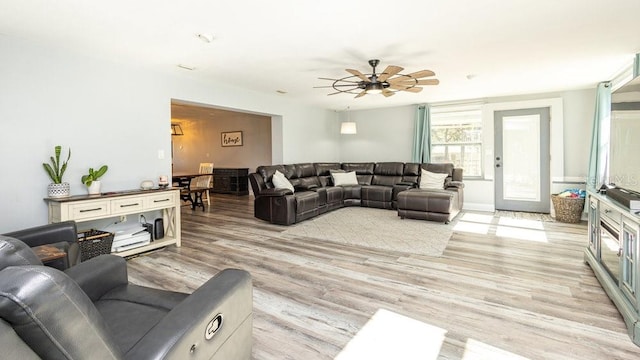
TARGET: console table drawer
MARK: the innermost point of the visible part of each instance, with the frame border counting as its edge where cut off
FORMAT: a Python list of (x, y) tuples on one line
[(87, 210), (159, 201), (126, 205)]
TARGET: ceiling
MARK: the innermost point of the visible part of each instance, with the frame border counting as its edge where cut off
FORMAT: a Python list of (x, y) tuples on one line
[(477, 48)]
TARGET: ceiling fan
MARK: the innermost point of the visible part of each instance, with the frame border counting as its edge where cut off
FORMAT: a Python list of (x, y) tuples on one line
[(387, 82)]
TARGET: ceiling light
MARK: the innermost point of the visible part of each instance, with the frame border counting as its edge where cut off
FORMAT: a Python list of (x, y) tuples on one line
[(348, 127), (374, 88)]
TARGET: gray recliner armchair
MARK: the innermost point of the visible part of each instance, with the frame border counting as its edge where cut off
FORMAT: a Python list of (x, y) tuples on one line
[(91, 311)]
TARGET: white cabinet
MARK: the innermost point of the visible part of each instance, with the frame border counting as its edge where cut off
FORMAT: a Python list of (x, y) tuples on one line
[(87, 208), (612, 253)]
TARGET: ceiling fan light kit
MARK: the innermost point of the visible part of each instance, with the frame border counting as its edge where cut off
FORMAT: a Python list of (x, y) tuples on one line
[(386, 83)]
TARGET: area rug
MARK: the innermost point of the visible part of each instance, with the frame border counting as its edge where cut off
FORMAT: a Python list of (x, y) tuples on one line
[(378, 229)]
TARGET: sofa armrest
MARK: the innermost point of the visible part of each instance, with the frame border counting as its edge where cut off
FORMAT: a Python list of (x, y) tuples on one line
[(275, 192), (311, 187), (215, 319), (455, 184), (99, 275)]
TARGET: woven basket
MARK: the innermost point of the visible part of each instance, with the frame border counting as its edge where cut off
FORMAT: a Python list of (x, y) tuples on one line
[(93, 243), (568, 210)]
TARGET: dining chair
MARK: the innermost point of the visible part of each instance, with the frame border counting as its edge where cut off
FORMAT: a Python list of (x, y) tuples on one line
[(206, 168)]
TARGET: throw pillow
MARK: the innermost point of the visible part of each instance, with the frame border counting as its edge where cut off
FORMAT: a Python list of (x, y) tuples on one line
[(348, 178), (429, 180), (281, 182)]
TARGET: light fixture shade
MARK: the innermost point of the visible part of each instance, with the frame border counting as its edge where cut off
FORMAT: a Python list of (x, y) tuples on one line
[(348, 127), (176, 130)]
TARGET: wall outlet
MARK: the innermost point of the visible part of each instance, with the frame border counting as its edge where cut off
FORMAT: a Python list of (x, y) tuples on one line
[(123, 218)]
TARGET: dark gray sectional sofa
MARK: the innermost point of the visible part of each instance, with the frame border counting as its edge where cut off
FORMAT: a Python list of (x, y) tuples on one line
[(378, 186)]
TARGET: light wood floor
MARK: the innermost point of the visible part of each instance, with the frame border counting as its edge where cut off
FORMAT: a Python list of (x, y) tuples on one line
[(507, 292)]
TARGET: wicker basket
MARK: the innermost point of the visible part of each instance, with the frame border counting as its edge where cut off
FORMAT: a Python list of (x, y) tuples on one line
[(568, 209), (93, 243)]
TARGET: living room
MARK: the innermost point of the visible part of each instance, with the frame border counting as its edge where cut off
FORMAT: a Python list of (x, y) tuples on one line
[(98, 99)]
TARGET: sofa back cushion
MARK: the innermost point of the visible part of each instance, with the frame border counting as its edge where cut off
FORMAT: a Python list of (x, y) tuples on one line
[(14, 252), (364, 171), (267, 173), (411, 172), (387, 173), (323, 171)]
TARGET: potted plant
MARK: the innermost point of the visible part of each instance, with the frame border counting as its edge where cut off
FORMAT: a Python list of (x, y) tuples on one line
[(92, 179), (56, 170)]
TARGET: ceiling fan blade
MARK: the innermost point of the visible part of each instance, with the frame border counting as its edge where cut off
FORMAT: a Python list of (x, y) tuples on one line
[(414, 89), (428, 82), (359, 74), (408, 83), (337, 85), (422, 73), (397, 86), (363, 93), (355, 82), (389, 72), (387, 92)]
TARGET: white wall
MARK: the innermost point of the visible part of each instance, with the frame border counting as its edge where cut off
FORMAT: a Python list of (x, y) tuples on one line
[(111, 114), (384, 134)]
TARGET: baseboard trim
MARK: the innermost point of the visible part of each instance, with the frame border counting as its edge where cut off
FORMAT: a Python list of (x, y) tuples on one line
[(478, 207)]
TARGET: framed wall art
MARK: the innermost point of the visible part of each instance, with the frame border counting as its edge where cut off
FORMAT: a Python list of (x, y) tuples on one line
[(232, 138)]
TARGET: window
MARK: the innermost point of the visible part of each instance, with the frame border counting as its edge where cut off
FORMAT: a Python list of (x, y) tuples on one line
[(456, 137)]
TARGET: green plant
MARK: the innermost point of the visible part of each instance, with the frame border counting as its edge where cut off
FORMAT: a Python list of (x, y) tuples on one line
[(55, 170), (94, 175)]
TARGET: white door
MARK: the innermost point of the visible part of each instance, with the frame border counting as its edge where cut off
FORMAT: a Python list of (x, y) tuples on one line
[(522, 160)]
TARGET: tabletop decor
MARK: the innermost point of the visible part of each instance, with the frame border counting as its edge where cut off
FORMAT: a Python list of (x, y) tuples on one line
[(91, 179), (55, 170)]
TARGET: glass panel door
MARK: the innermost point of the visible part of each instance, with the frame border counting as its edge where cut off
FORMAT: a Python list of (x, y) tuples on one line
[(522, 160)]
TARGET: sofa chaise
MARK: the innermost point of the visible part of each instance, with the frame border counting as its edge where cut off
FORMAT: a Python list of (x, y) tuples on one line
[(313, 190)]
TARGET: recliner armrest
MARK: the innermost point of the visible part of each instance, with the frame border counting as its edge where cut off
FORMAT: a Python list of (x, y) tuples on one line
[(188, 330), (99, 275), (275, 192), (456, 184), (408, 183), (47, 234)]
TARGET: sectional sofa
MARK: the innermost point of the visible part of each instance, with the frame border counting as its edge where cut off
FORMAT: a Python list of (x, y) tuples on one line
[(386, 185)]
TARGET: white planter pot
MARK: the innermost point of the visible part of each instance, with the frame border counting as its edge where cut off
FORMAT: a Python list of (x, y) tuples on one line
[(59, 190), (94, 189)]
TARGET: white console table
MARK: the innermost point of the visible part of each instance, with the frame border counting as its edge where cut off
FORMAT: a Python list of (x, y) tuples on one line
[(81, 208)]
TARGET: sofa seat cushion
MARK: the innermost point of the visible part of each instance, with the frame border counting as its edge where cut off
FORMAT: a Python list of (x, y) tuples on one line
[(427, 200), (306, 201), (377, 193), (130, 311), (335, 194), (351, 191)]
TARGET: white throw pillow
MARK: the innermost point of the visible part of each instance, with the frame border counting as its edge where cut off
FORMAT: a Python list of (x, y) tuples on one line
[(430, 180), (281, 182), (348, 178)]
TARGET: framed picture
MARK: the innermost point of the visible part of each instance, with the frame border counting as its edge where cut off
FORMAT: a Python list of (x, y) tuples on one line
[(232, 138)]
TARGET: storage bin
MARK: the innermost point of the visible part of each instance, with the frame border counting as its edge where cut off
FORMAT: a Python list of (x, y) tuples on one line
[(568, 209), (93, 243)]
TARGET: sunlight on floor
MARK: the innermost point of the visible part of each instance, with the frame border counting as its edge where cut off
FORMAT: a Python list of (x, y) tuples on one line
[(388, 335), (521, 234), (476, 350), (523, 223), (508, 227), (474, 223)]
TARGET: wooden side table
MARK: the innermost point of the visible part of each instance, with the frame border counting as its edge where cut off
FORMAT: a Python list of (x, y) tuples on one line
[(48, 254)]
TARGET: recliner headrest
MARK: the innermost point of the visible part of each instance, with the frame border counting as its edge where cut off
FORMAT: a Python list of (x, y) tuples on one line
[(14, 252)]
